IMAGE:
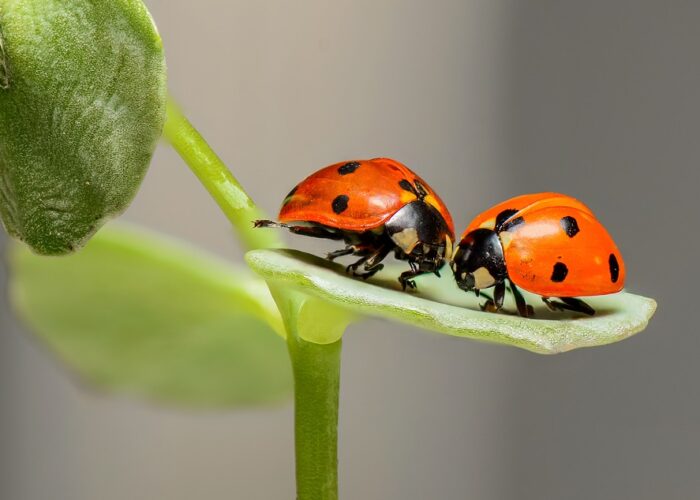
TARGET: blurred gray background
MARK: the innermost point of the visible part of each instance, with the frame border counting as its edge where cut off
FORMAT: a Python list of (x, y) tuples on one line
[(486, 99)]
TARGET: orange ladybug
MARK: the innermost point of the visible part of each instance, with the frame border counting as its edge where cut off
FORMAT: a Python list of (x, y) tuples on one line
[(549, 244), (376, 207)]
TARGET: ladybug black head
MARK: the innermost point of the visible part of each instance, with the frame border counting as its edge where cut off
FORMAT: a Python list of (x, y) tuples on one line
[(421, 234), (478, 262)]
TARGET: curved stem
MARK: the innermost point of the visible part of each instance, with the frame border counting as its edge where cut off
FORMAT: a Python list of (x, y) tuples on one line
[(316, 387), (217, 179), (316, 366)]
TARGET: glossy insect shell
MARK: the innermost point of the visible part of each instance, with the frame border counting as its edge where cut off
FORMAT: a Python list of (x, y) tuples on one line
[(357, 196), (554, 246), (498, 214)]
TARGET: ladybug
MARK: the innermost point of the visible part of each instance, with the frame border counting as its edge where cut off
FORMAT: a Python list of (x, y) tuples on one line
[(376, 207), (549, 244)]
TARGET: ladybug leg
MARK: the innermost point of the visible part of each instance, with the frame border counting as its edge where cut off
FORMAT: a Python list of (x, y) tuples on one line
[(524, 309), (495, 304), (352, 268), (372, 263), (400, 254), (406, 278), (569, 304), (266, 223), (339, 253), (574, 304), (552, 306), (481, 293), (313, 231)]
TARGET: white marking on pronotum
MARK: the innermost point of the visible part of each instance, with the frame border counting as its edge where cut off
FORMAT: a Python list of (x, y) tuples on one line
[(483, 278), (406, 239), (448, 248)]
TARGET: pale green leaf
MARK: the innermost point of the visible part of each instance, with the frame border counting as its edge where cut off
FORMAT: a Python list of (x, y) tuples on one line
[(440, 306), (82, 105), (139, 314)]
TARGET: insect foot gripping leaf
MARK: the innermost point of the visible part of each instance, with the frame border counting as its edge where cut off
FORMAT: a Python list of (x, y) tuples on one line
[(82, 105), (439, 305)]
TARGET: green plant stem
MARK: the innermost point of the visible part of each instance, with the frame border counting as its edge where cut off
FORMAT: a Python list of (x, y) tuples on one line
[(316, 388), (217, 179), (316, 366)]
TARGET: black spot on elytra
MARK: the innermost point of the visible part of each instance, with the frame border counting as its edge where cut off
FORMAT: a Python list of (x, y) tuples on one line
[(559, 272), (614, 268), (348, 168), (340, 203), (503, 216), (407, 186), (420, 189), (569, 225), (512, 224)]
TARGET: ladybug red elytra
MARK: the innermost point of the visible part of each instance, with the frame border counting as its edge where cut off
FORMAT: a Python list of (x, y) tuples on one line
[(549, 244), (376, 206)]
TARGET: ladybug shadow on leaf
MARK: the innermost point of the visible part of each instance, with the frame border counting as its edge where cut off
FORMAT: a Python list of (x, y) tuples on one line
[(442, 289)]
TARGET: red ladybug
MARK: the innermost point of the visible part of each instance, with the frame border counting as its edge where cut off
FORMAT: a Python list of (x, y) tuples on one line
[(376, 206), (549, 244)]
